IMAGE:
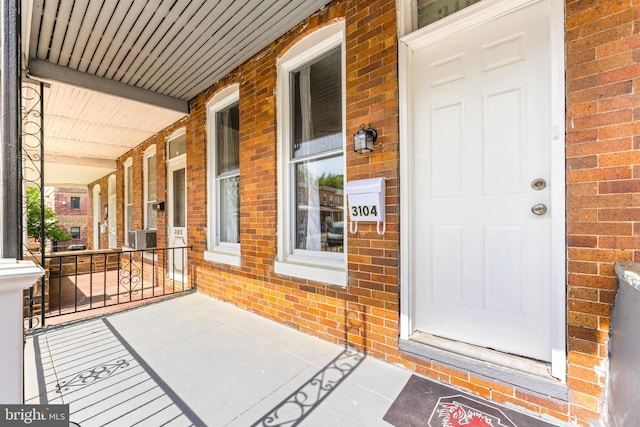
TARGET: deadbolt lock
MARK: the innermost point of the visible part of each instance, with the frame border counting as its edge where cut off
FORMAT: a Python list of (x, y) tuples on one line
[(538, 184)]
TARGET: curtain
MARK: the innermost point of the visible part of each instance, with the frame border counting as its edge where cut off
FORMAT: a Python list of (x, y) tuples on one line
[(313, 238), (229, 208), (228, 160)]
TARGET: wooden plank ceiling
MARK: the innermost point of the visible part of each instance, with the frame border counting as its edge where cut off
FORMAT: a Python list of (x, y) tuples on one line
[(122, 70)]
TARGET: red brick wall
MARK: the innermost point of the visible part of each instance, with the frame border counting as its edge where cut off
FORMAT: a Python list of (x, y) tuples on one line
[(603, 180), (366, 313), (68, 217), (137, 157), (603, 148), (63, 197), (369, 306)]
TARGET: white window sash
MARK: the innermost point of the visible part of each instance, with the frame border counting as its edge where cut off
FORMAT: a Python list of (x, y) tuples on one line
[(217, 251), (314, 265)]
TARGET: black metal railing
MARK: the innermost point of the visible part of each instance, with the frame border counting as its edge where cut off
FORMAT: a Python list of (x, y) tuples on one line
[(89, 280)]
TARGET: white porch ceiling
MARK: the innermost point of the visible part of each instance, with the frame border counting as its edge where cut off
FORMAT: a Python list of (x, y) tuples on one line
[(122, 70)]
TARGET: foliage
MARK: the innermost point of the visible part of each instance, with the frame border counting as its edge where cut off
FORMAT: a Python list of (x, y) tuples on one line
[(331, 180), (51, 224)]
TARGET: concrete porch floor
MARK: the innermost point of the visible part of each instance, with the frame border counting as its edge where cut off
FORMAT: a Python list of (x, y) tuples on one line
[(191, 360)]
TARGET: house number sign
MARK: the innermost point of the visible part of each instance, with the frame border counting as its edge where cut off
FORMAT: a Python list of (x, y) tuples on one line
[(366, 199), (369, 212)]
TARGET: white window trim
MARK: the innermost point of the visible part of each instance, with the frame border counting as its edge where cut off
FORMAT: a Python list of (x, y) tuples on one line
[(111, 209), (167, 143), (127, 163), (149, 152), (317, 267), (224, 253)]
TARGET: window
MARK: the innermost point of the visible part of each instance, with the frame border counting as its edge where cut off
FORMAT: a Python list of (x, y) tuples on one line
[(413, 15), (223, 118), (311, 116), (75, 203), (316, 152), (75, 232), (177, 146), (430, 11), (150, 188), (128, 200)]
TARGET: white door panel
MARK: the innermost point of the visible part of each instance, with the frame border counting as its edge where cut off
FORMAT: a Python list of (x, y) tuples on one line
[(480, 136), (177, 219)]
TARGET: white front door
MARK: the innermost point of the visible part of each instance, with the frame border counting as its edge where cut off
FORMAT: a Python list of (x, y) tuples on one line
[(177, 218), (480, 136)]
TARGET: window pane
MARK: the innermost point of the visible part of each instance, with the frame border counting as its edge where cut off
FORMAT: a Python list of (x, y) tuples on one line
[(430, 11), (128, 172), (179, 198), (178, 146), (319, 227), (151, 178), (151, 217), (75, 203), (229, 216), (130, 218), (317, 106), (227, 139), (75, 232)]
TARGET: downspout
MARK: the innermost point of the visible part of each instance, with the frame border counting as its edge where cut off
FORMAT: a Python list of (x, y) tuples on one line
[(11, 185)]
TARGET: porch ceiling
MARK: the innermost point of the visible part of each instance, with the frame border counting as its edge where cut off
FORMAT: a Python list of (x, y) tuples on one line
[(120, 72)]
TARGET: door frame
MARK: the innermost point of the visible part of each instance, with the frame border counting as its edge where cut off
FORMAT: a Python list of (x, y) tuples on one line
[(96, 208), (176, 163), (112, 219), (477, 14)]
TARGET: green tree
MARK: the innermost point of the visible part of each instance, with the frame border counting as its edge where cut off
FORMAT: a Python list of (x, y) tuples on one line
[(52, 228), (331, 180)]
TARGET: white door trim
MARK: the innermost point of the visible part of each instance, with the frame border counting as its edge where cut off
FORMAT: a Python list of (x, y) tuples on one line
[(96, 217), (474, 15), (177, 163), (112, 221)]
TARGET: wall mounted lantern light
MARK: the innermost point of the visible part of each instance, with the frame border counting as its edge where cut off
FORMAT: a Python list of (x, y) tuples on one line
[(363, 140)]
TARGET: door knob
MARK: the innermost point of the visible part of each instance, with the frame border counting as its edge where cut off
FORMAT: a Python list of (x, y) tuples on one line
[(539, 209), (538, 184)]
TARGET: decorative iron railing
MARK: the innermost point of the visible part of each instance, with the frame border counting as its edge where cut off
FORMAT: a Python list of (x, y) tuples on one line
[(90, 280), (32, 173)]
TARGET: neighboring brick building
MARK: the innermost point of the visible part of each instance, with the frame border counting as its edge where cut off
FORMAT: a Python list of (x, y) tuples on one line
[(71, 207), (367, 296)]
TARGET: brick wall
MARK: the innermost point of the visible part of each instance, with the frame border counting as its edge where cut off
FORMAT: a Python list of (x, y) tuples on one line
[(603, 181), (137, 156), (68, 217), (365, 313), (603, 143)]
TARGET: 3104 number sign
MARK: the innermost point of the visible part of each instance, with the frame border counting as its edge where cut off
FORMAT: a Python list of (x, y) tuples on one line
[(364, 211)]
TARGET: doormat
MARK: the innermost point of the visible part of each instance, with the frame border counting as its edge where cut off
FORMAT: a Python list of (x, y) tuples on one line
[(424, 403)]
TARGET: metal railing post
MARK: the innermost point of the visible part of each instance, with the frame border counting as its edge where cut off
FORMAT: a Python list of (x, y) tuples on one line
[(11, 183)]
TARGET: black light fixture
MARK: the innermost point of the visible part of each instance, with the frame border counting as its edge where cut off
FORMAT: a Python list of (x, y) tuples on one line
[(363, 140)]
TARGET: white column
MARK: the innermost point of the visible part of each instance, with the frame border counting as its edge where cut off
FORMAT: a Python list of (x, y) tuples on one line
[(15, 276)]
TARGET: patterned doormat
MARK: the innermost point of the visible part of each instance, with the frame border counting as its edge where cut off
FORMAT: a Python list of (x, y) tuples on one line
[(424, 403)]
